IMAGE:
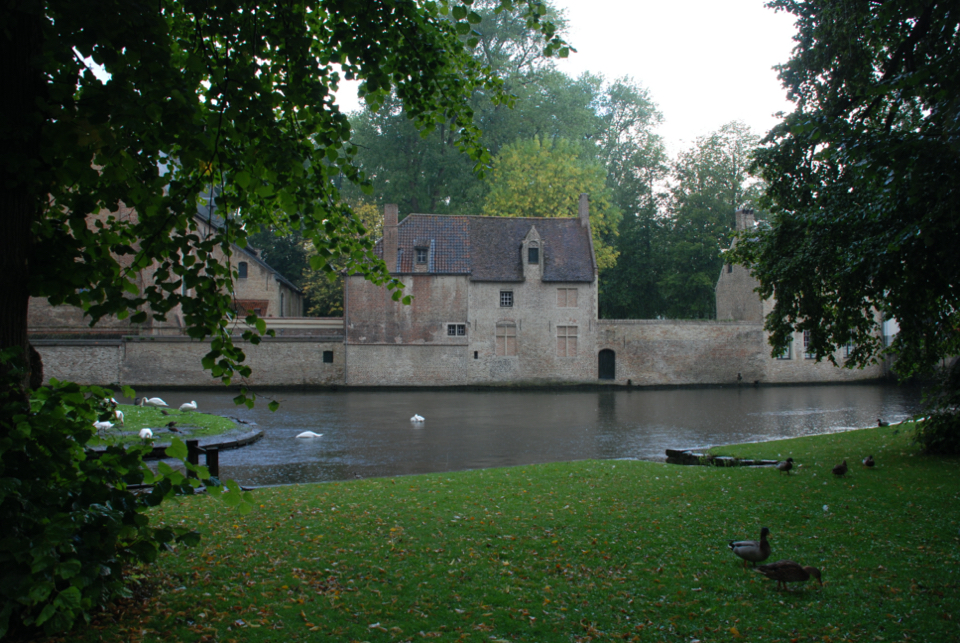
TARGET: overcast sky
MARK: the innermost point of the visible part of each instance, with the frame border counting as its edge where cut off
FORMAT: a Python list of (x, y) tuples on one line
[(705, 62)]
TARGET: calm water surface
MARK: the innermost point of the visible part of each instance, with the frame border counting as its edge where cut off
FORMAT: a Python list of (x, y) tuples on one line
[(369, 433)]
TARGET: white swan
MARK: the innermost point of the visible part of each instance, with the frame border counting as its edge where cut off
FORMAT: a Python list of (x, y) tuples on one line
[(310, 434), (189, 406), (118, 414), (146, 434), (152, 401), (416, 418), (100, 426)]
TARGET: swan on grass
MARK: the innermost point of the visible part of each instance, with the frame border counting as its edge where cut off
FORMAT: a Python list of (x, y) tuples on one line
[(189, 406), (102, 425), (152, 401), (416, 418), (146, 434), (310, 434)]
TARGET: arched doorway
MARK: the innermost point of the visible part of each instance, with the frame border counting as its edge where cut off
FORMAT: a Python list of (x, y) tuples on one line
[(608, 364)]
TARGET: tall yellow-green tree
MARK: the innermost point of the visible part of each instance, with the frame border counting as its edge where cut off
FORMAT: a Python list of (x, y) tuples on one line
[(540, 177)]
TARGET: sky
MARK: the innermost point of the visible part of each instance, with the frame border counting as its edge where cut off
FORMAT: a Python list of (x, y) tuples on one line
[(704, 62)]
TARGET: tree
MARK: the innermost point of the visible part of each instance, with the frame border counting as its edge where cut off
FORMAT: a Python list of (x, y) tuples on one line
[(863, 185), (542, 178), (237, 95), (712, 182)]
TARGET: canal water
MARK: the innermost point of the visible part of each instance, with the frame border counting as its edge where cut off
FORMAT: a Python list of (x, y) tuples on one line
[(369, 433)]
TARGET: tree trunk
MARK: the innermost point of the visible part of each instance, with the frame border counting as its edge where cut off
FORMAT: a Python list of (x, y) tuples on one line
[(20, 197)]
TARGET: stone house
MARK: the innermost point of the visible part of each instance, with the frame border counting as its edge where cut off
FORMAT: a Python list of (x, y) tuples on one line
[(495, 301)]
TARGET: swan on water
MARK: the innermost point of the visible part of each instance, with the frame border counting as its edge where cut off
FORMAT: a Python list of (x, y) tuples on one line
[(416, 418), (310, 434), (189, 406)]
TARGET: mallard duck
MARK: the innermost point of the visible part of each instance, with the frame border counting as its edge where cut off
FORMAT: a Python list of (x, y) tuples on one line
[(753, 551), (840, 469), (786, 465), (868, 461), (882, 422), (787, 571)]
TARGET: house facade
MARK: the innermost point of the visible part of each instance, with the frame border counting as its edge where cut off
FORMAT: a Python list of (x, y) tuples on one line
[(495, 301)]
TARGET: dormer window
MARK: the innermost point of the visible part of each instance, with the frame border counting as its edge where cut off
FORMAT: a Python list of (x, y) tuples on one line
[(533, 253), (421, 254)]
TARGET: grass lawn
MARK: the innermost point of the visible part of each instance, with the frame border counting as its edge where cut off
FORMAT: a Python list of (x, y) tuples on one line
[(584, 551), (190, 424)]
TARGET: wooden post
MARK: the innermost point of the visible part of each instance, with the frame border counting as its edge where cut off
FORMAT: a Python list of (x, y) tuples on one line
[(213, 461)]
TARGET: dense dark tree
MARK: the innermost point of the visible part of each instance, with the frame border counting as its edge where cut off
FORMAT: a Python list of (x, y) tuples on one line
[(864, 183)]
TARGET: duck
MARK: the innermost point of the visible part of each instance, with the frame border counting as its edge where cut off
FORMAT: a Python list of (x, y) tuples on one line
[(310, 434), (882, 422), (787, 571), (753, 551), (417, 418), (868, 461), (189, 406), (152, 401), (146, 434), (786, 465), (172, 426), (840, 469)]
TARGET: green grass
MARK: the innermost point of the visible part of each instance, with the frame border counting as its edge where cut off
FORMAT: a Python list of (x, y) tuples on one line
[(191, 424), (585, 551)]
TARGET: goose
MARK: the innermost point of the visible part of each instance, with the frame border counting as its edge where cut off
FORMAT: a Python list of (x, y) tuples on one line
[(868, 461), (152, 401), (189, 406), (787, 571), (416, 418), (753, 551), (786, 465), (310, 434), (841, 469), (146, 434)]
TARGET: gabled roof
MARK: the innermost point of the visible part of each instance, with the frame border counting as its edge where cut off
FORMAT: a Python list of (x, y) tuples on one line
[(489, 248)]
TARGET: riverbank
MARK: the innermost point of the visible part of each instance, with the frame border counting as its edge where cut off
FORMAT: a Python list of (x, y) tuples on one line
[(583, 551)]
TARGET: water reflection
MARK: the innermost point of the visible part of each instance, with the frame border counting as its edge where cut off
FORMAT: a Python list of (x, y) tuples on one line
[(369, 433)]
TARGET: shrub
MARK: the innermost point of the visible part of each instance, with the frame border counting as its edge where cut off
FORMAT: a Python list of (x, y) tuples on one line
[(71, 520)]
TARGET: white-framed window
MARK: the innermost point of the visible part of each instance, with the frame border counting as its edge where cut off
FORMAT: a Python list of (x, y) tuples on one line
[(506, 299), (506, 339), (456, 330), (807, 353), (787, 352), (566, 341), (566, 297), (421, 254)]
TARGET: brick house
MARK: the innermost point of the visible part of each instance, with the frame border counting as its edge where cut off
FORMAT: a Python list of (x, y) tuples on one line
[(495, 300)]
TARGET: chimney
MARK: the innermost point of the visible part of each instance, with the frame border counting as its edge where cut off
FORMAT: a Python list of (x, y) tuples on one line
[(745, 219), (390, 237), (584, 211)]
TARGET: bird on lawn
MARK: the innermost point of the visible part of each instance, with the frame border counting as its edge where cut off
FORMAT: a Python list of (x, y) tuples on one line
[(753, 551), (786, 465), (840, 469), (152, 401), (416, 418), (787, 571), (146, 434), (881, 422), (102, 425), (189, 406), (310, 434), (118, 414), (868, 461), (172, 426)]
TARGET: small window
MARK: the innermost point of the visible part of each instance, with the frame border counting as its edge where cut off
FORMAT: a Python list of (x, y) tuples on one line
[(566, 297), (729, 268), (421, 255), (566, 341), (456, 330), (242, 270), (533, 254), (506, 340), (807, 353), (328, 357), (787, 352), (848, 350), (506, 298)]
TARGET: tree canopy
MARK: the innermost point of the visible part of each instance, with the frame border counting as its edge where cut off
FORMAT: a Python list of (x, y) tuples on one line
[(863, 183)]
